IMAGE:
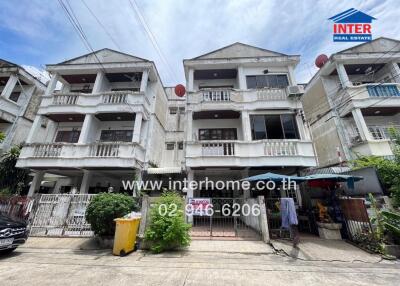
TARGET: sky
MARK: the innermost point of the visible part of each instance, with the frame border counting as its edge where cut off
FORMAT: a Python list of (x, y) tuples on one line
[(34, 33)]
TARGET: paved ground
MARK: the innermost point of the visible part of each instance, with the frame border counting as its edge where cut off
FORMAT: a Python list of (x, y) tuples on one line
[(76, 262)]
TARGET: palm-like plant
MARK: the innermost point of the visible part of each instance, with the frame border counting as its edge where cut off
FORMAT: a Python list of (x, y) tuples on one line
[(10, 176)]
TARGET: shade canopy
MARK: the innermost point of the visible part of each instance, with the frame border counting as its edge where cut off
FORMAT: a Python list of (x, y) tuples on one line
[(333, 177), (273, 177)]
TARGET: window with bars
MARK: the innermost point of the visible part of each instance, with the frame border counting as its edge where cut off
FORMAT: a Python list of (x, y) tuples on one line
[(218, 134), (116, 135), (267, 80), (170, 146), (70, 136)]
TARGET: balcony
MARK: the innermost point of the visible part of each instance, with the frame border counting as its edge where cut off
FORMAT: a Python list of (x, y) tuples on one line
[(69, 155), (231, 98), (253, 153), (114, 101)]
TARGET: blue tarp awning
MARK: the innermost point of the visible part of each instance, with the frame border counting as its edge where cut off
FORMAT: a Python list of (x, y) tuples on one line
[(273, 177)]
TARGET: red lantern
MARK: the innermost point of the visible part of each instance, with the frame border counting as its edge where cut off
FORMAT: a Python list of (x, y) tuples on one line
[(180, 90), (321, 60)]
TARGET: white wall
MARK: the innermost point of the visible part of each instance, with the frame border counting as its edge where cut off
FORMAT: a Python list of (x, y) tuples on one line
[(217, 123)]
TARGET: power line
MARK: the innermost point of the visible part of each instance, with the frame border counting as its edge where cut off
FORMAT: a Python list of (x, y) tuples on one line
[(152, 38), (101, 24)]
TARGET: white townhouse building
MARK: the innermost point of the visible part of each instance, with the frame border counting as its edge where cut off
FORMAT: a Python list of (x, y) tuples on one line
[(19, 100), (243, 117), (352, 101), (105, 125)]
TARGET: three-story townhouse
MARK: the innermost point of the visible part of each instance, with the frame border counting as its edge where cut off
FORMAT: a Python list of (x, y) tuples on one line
[(20, 98), (244, 117), (98, 124), (353, 100)]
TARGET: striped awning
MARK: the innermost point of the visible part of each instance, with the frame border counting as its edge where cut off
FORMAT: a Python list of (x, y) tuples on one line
[(165, 170)]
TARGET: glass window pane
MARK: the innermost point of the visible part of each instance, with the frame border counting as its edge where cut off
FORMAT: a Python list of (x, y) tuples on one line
[(258, 127), (289, 126), (274, 127), (251, 82)]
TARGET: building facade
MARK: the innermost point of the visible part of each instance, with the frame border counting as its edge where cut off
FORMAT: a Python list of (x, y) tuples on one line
[(19, 101), (98, 125), (353, 100), (243, 117)]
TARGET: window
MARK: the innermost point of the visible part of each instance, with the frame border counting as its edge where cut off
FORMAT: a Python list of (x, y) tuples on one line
[(181, 110), (269, 80), (116, 135), (173, 110), (180, 145), (218, 134), (274, 127), (71, 136), (170, 146), (14, 96)]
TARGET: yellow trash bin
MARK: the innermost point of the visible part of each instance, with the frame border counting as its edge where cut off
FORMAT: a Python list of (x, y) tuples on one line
[(125, 235)]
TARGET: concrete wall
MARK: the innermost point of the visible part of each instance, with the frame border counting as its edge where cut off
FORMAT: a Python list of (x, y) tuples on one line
[(217, 123)]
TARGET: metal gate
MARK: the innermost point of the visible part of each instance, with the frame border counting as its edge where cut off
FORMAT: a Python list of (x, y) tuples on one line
[(61, 215), (356, 218), (232, 218)]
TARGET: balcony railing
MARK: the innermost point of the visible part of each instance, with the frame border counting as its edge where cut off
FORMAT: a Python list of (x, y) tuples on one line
[(65, 99), (373, 90), (381, 132), (104, 150), (280, 148), (47, 150), (383, 90), (218, 149), (114, 98), (217, 95), (271, 94)]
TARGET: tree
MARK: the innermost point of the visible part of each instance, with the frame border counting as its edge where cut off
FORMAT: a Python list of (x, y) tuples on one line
[(2, 137), (12, 177), (388, 170)]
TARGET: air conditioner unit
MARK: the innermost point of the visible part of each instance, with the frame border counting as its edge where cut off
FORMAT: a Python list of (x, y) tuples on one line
[(294, 90)]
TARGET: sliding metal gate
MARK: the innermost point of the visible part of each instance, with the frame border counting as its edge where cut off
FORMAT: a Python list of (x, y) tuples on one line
[(356, 218), (232, 218), (61, 215)]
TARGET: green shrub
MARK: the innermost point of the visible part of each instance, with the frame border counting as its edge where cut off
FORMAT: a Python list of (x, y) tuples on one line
[(2, 137), (167, 229), (104, 208)]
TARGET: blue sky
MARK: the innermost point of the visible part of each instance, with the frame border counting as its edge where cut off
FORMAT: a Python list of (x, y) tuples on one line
[(37, 32)]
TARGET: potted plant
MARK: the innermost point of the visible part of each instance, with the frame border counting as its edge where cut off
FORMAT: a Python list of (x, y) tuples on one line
[(101, 212), (327, 228)]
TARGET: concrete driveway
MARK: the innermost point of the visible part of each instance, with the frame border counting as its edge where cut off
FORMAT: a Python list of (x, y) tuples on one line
[(49, 261)]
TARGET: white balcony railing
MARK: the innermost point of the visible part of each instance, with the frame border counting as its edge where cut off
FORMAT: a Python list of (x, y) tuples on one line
[(65, 99), (218, 149), (271, 94), (82, 151), (250, 153), (114, 98), (217, 95), (381, 132)]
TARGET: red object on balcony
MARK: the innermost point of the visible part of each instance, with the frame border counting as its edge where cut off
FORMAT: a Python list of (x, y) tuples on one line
[(180, 90), (321, 60)]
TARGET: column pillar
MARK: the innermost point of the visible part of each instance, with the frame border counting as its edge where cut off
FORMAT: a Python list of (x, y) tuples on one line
[(300, 126), (361, 125), (144, 81), (246, 125), (52, 84), (36, 182), (137, 127), (241, 78), (87, 176), (189, 194), (9, 87), (292, 78), (343, 77), (395, 72), (190, 80), (189, 126), (84, 137), (98, 83), (36, 125)]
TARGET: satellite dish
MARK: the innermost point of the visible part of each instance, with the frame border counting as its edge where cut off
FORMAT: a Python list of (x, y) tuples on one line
[(180, 90)]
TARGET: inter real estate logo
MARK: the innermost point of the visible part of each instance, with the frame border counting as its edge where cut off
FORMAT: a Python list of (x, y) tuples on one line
[(352, 26)]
